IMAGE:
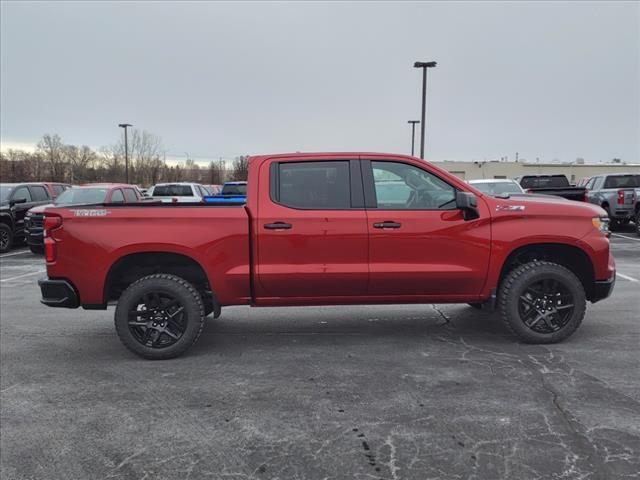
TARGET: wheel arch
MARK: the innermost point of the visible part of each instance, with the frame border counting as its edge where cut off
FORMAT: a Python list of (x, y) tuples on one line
[(133, 266), (6, 220), (569, 256)]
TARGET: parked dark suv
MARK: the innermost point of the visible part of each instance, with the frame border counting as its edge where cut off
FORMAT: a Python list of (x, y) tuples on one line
[(15, 200)]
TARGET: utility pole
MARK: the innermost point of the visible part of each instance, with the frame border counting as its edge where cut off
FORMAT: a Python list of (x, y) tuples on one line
[(126, 149), (423, 66), (413, 134)]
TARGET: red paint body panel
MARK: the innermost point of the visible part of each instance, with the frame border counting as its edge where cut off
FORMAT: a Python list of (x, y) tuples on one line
[(328, 256), (88, 246)]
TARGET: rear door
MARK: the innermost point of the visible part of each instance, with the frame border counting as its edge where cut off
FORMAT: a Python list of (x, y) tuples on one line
[(312, 230), (419, 243)]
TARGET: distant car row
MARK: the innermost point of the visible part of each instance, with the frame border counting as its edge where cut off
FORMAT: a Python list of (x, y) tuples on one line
[(22, 205), (618, 194)]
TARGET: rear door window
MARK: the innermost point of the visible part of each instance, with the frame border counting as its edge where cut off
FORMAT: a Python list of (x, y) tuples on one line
[(117, 197), (130, 195), (39, 193), (313, 185)]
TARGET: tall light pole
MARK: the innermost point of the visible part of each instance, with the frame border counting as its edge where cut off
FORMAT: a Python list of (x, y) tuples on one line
[(423, 66), (126, 149), (413, 133)]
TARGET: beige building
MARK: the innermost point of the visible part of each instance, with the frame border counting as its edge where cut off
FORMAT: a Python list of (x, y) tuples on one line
[(497, 169)]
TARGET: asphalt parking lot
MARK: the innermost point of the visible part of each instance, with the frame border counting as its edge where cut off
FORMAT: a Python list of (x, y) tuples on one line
[(375, 392)]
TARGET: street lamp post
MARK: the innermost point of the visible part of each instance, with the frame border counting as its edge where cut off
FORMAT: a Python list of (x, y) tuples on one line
[(126, 149), (413, 134), (423, 66)]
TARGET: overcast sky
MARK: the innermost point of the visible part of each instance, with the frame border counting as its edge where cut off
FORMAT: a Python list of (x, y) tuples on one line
[(547, 80)]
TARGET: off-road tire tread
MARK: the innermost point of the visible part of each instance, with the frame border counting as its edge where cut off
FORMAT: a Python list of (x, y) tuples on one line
[(132, 345), (531, 336)]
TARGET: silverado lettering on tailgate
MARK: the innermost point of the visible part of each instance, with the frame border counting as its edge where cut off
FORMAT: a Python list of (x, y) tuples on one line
[(90, 213)]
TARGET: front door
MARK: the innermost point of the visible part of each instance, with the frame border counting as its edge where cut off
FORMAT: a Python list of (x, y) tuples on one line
[(20, 209), (419, 243), (311, 230)]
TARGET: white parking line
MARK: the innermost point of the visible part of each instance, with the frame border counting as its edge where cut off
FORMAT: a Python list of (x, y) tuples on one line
[(626, 277), (20, 276), (14, 253), (628, 238)]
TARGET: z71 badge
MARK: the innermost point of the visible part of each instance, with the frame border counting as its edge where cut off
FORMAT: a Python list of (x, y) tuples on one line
[(509, 208), (84, 212)]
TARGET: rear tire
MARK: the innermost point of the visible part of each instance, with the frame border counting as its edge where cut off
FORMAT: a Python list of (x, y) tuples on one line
[(36, 249), (542, 302), (6, 238), (159, 316)]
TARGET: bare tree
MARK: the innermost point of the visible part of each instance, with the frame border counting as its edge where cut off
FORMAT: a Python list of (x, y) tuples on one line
[(53, 150), (216, 172), (240, 168), (145, 151), (80, 160)]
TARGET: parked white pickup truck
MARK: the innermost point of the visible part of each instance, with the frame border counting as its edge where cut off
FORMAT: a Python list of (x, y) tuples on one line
[(178, 192)]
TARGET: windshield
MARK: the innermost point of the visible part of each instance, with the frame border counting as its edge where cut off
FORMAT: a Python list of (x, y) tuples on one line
[(82, 195), (234, 189), (497, 188), (172, 191), (622, 181), (5, 190)]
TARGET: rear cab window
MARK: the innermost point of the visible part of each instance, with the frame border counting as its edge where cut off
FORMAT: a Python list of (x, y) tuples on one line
[(622, 181), (172, 191)]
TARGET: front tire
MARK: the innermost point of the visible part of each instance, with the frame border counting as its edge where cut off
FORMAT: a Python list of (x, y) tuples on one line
[(36, 249), (542, 302), (159, 316), (6, 238)]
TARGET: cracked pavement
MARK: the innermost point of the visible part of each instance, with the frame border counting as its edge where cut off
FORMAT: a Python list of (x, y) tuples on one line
[(362, 392)]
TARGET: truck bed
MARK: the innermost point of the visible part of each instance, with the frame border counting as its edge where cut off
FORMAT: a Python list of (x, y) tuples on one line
[(216, 236)]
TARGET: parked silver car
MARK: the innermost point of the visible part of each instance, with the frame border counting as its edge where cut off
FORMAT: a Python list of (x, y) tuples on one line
[(617, 194)]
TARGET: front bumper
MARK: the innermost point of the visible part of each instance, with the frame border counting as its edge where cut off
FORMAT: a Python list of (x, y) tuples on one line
[(58, 293), (603, 288)]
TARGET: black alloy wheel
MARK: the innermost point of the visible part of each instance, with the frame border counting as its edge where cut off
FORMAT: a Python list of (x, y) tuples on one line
[(542, 302), (5, 238), (159, 316), (546, 305), (157, 320)]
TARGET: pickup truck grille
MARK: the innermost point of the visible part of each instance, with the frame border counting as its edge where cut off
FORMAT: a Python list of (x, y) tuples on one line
[(35, 222)]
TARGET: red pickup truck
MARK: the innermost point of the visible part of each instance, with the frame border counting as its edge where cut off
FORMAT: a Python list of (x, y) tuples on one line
[(328, 229)]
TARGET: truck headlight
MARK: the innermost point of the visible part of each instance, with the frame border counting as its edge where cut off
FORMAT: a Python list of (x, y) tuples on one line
[(602, 224)]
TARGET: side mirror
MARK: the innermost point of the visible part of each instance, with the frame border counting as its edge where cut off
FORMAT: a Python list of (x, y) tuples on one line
[(18, 200), (467, 202)]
